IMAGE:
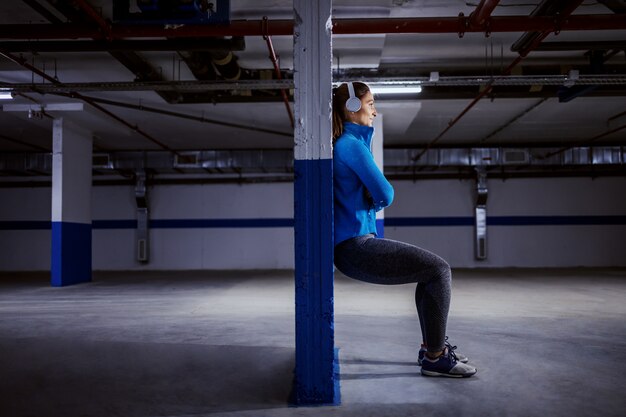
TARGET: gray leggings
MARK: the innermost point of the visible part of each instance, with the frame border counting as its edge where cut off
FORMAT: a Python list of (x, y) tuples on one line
[(389, 262)]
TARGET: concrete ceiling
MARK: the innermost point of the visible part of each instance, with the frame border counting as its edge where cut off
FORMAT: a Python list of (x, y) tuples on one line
[(517, 115)]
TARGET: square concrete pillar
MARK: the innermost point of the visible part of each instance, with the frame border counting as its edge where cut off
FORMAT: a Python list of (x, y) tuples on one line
[(316, 373), (71, 204)]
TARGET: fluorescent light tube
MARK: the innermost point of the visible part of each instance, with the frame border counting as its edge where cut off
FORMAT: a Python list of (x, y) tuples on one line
[(5, 95), (395, 89)]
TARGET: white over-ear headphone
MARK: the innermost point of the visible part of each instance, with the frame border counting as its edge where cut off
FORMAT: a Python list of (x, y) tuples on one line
[(353, 104)]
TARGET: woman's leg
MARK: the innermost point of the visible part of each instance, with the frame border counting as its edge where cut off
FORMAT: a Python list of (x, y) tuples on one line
[(389, 262)]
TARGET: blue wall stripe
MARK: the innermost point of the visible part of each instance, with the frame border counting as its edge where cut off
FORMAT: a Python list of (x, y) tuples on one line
[(429, 221), (555, 220), (288, 223), (508, 221), (25, 225), (219, 223), (114, 224), (71, 253)]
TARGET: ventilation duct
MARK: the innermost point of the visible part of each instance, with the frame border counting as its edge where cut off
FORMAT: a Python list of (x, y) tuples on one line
[(277, 163)]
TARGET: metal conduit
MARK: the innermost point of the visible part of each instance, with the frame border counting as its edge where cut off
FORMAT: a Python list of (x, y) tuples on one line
[(178, 115), (87, 100), (274, 84), (510, 122)]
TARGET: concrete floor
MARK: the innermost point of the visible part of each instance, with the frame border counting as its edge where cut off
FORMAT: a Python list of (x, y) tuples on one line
[(546, 343)]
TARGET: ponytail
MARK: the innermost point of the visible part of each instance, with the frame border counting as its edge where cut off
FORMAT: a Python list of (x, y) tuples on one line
[(337, 117), (340, 96)]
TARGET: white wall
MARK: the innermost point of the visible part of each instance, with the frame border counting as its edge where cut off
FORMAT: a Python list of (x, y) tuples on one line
[(272, 248), (517, 246), (198, 248), (27, 250)]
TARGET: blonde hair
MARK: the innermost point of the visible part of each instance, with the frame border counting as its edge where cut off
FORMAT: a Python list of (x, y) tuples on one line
[(340, 96)]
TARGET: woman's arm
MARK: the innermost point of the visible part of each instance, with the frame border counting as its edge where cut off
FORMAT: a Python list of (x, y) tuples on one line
[(361, 161)]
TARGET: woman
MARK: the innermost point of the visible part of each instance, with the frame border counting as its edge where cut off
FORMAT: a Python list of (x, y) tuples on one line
[(360, 190)]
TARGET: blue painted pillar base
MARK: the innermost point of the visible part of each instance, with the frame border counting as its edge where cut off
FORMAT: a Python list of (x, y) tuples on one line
[(316, 374), (71, 253), (295, 401)]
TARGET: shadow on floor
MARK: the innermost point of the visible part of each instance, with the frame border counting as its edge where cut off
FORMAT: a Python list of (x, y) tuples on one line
[(44, 377)]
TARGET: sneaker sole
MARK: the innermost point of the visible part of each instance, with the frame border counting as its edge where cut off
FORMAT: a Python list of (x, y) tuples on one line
[(466, 360), (432, 373)]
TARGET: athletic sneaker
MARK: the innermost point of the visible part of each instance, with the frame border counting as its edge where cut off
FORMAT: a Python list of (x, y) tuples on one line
[(459, 356), (446, 365)]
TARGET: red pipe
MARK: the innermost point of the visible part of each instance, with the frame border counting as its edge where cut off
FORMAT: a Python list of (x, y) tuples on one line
[(340, 26), (586, 142), (486, 91), (274, 60), (93, 15), (23, 63), (566, 12), (460, 24), (124, 122), (483, 11)]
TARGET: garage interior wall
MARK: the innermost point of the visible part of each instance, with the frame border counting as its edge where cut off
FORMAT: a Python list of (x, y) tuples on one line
[(263, 238)]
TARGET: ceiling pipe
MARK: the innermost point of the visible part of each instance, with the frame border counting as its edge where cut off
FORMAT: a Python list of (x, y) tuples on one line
[(458, 25), (565, 13), (127, 124), (482, 13), (274, 59), (586, 142), (553, 80), (513, 120), (617, 116), (81, 11), (51, 17), (104, 26), (223, 60), (22, 62), (233, 44), (478, 17), (616, 6), (141, 107)]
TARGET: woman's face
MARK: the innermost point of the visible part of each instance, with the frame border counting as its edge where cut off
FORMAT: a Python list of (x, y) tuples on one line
[(366, 115)]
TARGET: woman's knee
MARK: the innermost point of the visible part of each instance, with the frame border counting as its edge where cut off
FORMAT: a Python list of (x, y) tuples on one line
[(443, 270)]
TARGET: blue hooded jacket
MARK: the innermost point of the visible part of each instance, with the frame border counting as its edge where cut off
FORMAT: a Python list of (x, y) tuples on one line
[(360, 189)]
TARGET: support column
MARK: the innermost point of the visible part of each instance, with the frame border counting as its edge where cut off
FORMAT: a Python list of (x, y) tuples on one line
[(316, 373), (378, 153), (71, 204)]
